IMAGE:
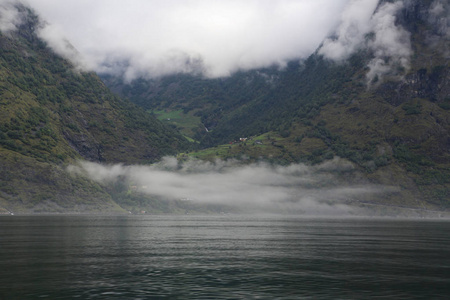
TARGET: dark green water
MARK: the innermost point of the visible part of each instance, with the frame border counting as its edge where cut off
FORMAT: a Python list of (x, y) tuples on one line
[(222, 257)]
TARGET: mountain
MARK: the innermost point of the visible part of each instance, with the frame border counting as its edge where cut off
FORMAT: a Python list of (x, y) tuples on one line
[(51, 115), (389, 116)]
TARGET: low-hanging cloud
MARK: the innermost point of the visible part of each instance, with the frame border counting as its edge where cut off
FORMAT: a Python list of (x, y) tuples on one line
[(391, 44), (55, 38), (439, 17), (10, 16), (365, 24), (349, 36), (261, 186), (151, 38)]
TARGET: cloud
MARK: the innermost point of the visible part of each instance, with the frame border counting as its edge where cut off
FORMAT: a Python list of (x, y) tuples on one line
[(152, 38), (55, 38), (259, 186), (366, 26), (391, 44), (10, 16), (439, 17), (349, 36)]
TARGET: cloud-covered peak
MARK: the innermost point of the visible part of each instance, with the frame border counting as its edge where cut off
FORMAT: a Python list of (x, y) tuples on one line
[(391, 44), (349, 37), (153, 38), (367, 25), (10, 16)]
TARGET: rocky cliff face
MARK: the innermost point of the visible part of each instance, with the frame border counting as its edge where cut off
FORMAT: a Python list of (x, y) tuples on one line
[(432, 85)]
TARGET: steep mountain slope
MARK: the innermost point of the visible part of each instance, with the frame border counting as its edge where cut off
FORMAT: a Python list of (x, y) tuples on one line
[(52, 115), (395, 127)]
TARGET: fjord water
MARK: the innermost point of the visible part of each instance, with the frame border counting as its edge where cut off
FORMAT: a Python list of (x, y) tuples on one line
[(222, 257)]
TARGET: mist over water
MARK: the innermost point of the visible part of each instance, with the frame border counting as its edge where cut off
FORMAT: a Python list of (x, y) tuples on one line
[(260, 186)]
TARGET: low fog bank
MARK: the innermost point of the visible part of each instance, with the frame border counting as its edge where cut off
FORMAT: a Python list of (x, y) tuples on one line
[(258, 187)]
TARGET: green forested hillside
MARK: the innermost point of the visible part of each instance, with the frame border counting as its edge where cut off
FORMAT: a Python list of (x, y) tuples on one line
[(52, 115), (209, 101), (395, 129)]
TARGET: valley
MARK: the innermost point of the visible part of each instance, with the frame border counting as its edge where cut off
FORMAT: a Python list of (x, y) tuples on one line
[(387, 121)]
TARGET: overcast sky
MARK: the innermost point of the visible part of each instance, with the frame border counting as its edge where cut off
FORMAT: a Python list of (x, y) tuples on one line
[(151, 38), (217, 36)]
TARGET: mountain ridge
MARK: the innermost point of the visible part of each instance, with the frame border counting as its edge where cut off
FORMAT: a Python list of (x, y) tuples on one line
[(53, 115)]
